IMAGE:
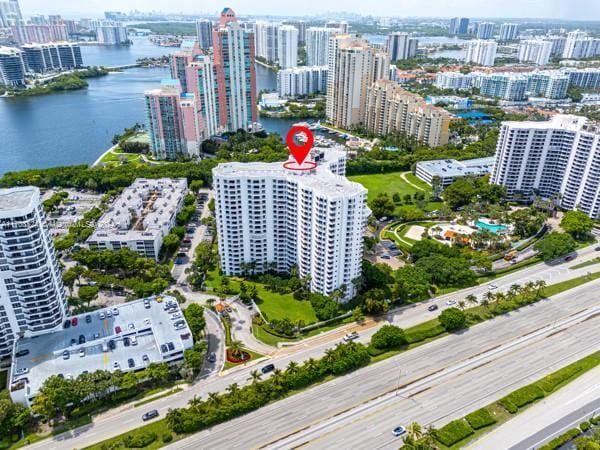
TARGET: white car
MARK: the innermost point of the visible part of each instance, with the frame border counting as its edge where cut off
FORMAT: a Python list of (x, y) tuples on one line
[(101, 316), (22, 371), (492, 286), (147, 321), (133, 340), (451, 302), (82, 353), (115, 311), (176, 316), (351, 336)]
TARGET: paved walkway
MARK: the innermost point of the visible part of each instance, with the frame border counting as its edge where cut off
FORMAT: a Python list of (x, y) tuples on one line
[(407, 181)]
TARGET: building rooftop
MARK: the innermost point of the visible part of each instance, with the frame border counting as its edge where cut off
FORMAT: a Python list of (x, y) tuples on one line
[(445, 168), (566, 122), (17, 198), (152, 327)]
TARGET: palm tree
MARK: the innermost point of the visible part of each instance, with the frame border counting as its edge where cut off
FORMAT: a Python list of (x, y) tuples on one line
[(415, 431), (236, 348), (430, 435), (540, 285), (277, 377), (485, 303), (213, 398), (292, 367), (489, 296), (461, 304), (471, 299), (195, 403), (255, 376)]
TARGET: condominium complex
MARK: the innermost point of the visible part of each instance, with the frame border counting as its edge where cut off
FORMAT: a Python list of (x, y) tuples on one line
[(42, 58), (441, 173), (141, 217), (557, 159), (580, 45), (317, 45), (265, 38), (187, 53), (204, 33), (287, 46), (12, 67), (172, 121), (200, 76), (401, 46), (536, 51), (482, 52), (588, 78), (303, 80), (485, 30), (459, 25), (389, 109), (41, 34), (235, 73), (300, 25), (271, 217), (10, 13), (111, 33), (508, 32), (31, 287), (353, 67), (454, 80)]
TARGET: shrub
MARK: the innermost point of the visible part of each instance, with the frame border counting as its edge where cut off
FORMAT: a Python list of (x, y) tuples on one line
[(521, 397), (422, 332), (452, 319), (561, 440), (388, 336), (167, 437), (595, 420), (139, 440), (454, 432), (480, 418), (550, 382), (584, 426)]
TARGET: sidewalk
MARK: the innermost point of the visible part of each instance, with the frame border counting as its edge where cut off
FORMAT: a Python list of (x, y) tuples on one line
[(547, 419)]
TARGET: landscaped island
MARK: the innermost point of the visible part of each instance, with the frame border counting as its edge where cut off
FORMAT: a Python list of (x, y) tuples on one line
[(66, 82)]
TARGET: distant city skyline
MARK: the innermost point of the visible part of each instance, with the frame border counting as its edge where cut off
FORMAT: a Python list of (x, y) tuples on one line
[(543, 9)]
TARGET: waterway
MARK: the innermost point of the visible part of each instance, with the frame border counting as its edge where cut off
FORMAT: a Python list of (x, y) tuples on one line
[(75, 127)]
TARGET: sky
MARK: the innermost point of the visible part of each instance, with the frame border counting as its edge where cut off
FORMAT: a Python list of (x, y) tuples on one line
[(552, 9)]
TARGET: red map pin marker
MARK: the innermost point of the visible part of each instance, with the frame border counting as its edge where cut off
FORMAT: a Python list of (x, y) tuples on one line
[(299, 151)]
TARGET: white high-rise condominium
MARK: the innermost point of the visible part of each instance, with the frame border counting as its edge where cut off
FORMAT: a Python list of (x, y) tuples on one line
[(485, 30), (317, 45), (557, 160), (580, 45), (535, 50), (271, 218), (287, 46), (10, 13), (353, 67), (204, 33), (508, 32), (302, 80), (482, 52), (112, 33), (401, 46), (32, 297), (265, 38)]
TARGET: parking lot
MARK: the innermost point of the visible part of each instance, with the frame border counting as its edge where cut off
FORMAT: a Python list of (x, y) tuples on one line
[(386, 252), (127, 337), (71, 210)]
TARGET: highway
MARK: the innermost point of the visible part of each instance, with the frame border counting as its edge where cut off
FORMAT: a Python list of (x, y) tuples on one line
[(434, 383), (123, 419)]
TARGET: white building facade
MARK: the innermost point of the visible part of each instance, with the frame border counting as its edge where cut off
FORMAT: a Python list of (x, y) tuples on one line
[(558, 159), (482, 52), (32, 297), (269, 217), (287, 46), (536, 51), (302, 80), (317, 45)]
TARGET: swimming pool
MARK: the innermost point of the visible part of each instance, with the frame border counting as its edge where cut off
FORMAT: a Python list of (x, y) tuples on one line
[(494, 228)]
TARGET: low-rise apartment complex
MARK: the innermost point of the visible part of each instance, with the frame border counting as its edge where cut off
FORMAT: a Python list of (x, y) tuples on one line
[(141, 216)]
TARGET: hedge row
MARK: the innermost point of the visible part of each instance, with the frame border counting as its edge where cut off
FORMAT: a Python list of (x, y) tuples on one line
[(561, 440), (480, 418), (453, 432), (550, 382), (521, 397), (421, 332)]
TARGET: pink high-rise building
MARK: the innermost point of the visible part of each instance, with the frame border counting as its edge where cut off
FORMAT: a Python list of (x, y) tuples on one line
[(200, 75), (180, 59), (236, 77)]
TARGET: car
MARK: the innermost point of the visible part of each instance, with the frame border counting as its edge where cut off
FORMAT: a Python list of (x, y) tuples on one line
[(268, 368), (96, 335), (147, 304), (22, 371), (115, 311), (73, 341), (88, 319), (180, 326), (82, 353), (212, 357), (118, 329), (147, 321), (179, 322), (170, 346), (176, 316), (112, 345), (101, 316), (131, 326), (399, 431), (351, 336), (451, 302), (109, 313), (164, 348), (81, 339), (130, 363), (126, 341), (133, 340), (67, 324), (570, 258), (229, 310), (116, 365), (66, 354), (23, 352), (432, 308), (146, 359), (597, 249), (74, 321), (492, 286), (150, 415)]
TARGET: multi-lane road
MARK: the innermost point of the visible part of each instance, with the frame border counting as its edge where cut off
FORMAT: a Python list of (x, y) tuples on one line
[(428, 358)]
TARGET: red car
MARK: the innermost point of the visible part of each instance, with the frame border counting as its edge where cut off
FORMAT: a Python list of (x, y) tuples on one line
[(74, 321), (117, 329)]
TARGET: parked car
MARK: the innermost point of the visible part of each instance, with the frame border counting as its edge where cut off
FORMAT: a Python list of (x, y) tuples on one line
[(146, 303), (126, 342), (82, 353), (88, 319), (212, 357), (150, 415), (109, 313), (112, 345), (22, 371), (66, 354), (176, 316), (268, 368), (351, 336), (73, 341), (570, 258), (170, 346), (133, 340), (101, 316), (67, 324), (131, 363), (115, 311), (164, 348), (399, 431), (131, 326), (81, 339), (432, 308), (145, 359), (23, 352), (74, 321), (117, 329), (115, 365)]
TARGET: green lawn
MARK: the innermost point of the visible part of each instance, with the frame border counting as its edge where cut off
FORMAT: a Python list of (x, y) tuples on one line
[(116, 157), (591, 262), (272, 305)]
